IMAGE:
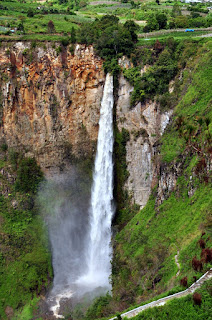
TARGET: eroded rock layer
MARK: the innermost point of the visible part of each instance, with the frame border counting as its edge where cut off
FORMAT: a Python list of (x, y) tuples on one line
[(50, 101)]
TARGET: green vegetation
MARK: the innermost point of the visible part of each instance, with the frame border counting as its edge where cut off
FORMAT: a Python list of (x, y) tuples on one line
[(29, 176), (144, 265), (124, 210), (121, 173), (25, 259), (192, 121), (100, 308), (156, 79), (143, 256), (110, 39), (32, 19)]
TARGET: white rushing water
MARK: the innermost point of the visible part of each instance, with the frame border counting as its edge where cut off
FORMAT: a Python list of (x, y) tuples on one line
[(81, 234), (102, 209)]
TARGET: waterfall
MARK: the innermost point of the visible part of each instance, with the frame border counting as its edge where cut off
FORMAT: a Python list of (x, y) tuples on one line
[(101, 209), (80, 231)]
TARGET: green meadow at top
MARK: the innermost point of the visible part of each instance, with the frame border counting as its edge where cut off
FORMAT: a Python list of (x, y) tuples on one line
[(51, 20)]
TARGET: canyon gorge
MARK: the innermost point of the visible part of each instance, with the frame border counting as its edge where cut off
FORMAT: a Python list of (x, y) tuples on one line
[(150, 164), (51, 106)]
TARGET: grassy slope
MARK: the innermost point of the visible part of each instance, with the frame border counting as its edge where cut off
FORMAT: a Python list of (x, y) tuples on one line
[(24, 259), (183, 308), (145, 248)]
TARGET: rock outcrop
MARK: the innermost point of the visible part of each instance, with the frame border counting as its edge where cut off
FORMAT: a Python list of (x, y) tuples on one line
[(145, 123)]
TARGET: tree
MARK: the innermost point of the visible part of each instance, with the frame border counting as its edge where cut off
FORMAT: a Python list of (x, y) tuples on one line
[(51, 28), (132, 27), (152, 24), (176, 11), (73, 35), (181, 22), (197, 298), (162, 20)]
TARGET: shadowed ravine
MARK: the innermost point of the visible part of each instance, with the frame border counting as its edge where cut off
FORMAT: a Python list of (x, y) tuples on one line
[(79, 220)]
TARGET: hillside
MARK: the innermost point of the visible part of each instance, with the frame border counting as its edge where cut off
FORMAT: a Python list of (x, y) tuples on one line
[(154, 250)]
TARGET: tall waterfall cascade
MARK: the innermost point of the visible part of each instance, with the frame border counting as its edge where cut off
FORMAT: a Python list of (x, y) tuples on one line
[(80, 224), (102, 209)]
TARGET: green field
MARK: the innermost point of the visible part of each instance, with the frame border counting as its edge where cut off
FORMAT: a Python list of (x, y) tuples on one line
[(33, 17)]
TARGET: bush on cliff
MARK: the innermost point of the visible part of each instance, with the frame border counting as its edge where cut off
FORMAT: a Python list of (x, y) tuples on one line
[(29, 175), (156, 79)]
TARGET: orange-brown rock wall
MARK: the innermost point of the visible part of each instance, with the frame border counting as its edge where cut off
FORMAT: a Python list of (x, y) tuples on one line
[(50, 101)]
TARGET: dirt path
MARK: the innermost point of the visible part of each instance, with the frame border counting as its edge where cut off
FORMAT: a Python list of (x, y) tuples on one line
[(162, 301)]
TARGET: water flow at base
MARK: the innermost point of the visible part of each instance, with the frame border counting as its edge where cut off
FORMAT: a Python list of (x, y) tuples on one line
[(80, 233)]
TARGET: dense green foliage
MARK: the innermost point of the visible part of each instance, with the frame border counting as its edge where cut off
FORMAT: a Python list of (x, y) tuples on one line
[(28, 20), (193, 116), (156, 79), (158, 21), (110, 38), (183, 308), (121, 173), (29, 175), (99, 308), (25, 266)]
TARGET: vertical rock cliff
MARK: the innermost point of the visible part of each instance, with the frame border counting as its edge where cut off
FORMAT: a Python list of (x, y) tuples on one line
[(50, 101), (50, 106), (145, 123)]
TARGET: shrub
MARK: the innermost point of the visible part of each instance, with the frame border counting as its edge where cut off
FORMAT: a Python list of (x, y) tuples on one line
[(201, 243), (65, 42), (30, 13), (4, 147), (197, 298), (51, 27), (196, 264), (29, 175), (13, 158), (184, 282), (206, 255)]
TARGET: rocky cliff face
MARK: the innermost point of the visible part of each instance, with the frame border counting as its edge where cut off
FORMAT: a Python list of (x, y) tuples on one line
[(50, 110), (50, 101), (145, 123)]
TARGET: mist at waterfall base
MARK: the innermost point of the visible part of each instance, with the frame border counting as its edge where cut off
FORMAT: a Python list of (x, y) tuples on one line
[(79, 220)]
